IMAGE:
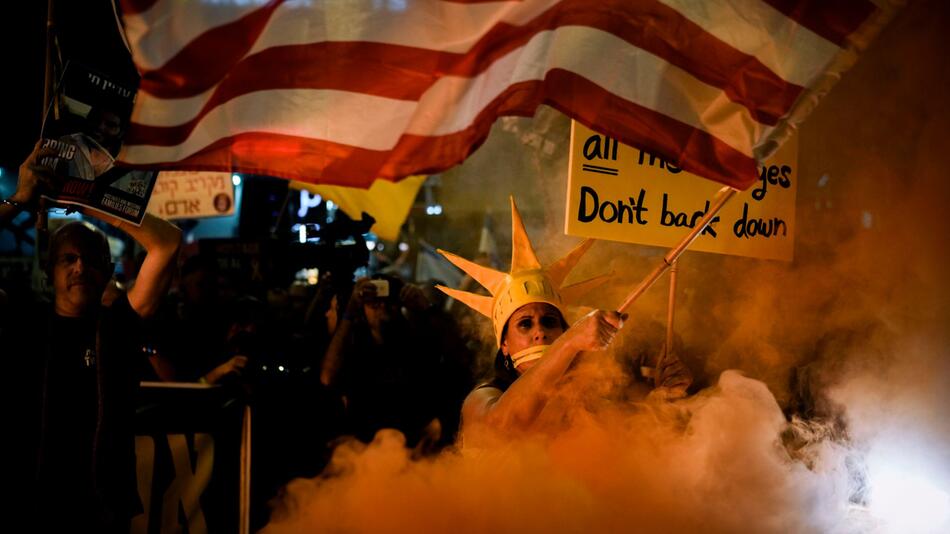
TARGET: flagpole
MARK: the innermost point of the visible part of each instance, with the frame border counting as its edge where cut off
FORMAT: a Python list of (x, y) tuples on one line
[(722, 196), (671, 306), (42, 216), (48, 71)]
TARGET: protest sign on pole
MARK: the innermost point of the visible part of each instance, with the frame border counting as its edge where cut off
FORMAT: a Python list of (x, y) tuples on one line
[(621, 193)]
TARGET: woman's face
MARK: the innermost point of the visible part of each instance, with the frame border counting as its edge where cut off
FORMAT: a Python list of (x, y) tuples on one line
[(532, 324)]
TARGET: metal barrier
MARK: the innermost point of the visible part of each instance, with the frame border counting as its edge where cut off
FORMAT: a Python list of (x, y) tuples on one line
[(193, 456)]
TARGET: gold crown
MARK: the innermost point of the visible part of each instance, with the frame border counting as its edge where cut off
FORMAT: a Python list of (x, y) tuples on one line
[(527, 282)]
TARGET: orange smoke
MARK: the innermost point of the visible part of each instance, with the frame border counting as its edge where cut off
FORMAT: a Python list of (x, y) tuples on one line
[(626, 468), (851, 337)]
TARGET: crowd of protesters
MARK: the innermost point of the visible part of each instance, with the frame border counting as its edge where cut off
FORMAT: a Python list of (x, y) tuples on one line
[(317, 363)]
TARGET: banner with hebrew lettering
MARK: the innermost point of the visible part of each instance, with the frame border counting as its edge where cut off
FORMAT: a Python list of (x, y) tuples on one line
[(191, 195), (82, 133)]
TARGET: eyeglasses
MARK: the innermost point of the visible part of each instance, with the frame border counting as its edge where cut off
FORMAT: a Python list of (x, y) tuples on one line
[(69, 258)]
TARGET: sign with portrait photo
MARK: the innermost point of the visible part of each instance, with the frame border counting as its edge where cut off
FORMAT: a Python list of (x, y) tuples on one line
[(85, 126)]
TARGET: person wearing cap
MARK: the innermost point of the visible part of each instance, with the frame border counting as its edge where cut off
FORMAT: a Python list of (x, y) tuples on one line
[(536, 347)]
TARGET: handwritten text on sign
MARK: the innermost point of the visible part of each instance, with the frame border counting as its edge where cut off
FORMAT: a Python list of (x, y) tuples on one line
[(621, 193), (188, 195)]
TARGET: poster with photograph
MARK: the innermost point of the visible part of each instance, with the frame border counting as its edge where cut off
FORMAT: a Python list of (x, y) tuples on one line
[(85, 125)]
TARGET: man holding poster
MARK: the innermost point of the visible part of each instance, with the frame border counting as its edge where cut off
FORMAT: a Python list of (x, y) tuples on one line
[(75, 368)]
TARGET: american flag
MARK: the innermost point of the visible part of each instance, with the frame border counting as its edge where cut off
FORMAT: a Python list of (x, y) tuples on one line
[(347, 91)]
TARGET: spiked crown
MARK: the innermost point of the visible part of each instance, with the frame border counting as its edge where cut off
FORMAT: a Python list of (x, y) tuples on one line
[(527, 281)]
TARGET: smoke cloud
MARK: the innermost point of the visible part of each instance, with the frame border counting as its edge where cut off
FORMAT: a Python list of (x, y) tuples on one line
[(820, 382), (617, 468)]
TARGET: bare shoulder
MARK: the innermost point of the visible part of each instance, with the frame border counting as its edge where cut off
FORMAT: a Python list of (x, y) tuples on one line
[(478, 403)]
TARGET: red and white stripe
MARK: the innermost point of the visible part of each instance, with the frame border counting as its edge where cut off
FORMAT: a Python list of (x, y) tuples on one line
[(343, 92)]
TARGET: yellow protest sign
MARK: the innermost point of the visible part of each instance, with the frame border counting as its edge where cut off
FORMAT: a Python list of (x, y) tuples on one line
[(621, 193)]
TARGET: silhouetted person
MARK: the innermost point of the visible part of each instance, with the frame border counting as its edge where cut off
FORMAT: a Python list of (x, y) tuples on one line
[(78, 360), (383, 363)]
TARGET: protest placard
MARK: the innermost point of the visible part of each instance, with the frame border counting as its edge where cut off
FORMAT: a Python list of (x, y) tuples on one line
[(189, 195), (622, 193), (85, 126)]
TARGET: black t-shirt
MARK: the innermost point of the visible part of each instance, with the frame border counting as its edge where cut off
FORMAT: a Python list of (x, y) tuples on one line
[(74, 418), (71, 409)]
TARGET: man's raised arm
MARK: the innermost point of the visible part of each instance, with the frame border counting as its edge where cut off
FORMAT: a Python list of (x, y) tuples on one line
[(161, 240)]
